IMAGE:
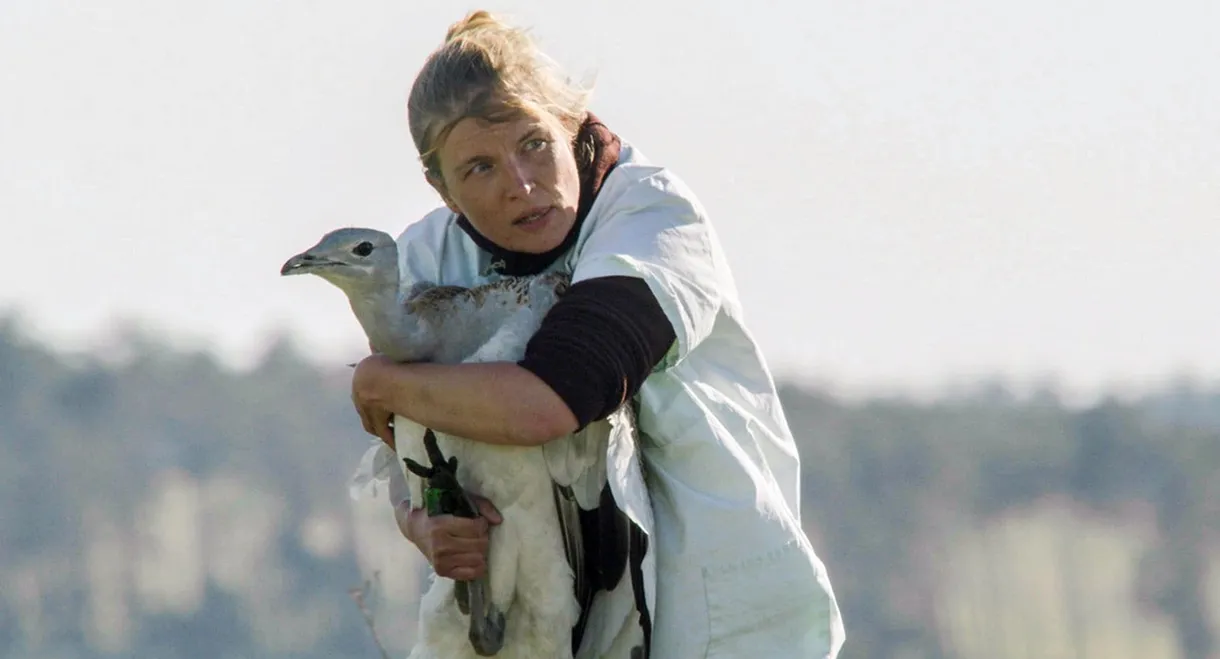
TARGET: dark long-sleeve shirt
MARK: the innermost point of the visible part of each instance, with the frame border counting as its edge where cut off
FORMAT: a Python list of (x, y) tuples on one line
[(598, 344)]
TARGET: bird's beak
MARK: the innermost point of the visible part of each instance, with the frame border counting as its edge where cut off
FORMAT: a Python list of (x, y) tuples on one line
[(300, 264)]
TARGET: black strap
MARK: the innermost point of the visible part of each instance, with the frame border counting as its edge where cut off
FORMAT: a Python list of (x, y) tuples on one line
[(639, 547), (606, 540), (613, 545)]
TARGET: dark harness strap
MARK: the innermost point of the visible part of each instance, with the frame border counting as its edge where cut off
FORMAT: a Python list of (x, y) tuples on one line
[(614, 545)]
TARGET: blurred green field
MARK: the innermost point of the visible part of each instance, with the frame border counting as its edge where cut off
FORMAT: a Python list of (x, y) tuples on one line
[(159, 505)]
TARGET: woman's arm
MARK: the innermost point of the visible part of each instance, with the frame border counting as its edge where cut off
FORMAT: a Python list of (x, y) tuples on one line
[(494, 403), (593, 352)]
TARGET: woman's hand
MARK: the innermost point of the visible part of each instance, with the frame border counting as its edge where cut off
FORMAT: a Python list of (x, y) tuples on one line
[(370, 394), (455, 546)]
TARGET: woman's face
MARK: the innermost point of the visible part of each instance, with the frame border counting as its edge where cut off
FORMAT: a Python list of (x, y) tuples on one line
[(516, 181)]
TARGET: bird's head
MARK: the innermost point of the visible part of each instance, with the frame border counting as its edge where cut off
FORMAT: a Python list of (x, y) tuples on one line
[(350, 258)]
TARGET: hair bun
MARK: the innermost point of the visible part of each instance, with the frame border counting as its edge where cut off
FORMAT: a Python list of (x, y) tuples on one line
[(476, 20)]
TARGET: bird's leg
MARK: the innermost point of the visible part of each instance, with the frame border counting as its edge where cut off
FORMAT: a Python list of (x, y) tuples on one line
[(461, 593), (445, 496), (490, 596), (487, 623)]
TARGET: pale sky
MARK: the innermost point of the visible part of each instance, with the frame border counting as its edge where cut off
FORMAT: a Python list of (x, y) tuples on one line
[(909, 193)]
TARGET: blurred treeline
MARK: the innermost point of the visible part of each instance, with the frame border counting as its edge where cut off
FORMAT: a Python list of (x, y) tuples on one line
[(156, 504)]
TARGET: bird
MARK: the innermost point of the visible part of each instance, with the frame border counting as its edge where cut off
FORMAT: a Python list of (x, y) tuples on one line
[(537, 585)]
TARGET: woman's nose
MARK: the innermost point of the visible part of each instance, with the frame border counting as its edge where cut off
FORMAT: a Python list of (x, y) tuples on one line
[(521, 178)]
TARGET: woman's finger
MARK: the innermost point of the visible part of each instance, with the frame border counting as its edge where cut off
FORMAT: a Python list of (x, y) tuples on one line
[(471, 560), (488, 510), (461, 566), (465, 573), (449, 545), (459, 527), (381, 426), (443, 544), (369, 418)]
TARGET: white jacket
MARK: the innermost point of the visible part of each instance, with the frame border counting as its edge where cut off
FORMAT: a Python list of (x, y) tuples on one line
[(736, 576)]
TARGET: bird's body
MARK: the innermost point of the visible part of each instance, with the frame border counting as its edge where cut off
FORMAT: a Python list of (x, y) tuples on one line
[(535, 553)]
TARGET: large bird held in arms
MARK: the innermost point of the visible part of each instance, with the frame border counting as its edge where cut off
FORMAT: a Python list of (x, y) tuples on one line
[(536, 583)]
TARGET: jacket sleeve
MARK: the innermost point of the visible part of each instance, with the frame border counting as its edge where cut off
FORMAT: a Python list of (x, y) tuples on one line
[(656, 230)]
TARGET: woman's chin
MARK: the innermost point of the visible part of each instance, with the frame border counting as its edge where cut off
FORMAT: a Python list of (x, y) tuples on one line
[(536, 246)]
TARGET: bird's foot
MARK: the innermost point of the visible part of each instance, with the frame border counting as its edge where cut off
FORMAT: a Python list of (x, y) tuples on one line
[(486, 621), (444, 494)]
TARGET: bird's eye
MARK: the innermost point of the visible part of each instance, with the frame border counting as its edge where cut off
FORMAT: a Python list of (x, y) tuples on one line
[(363, 249)]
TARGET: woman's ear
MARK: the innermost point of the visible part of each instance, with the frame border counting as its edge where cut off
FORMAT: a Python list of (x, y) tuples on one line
[(438, 184)]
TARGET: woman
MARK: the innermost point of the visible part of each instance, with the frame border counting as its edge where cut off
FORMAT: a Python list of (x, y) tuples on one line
[(533, 182)]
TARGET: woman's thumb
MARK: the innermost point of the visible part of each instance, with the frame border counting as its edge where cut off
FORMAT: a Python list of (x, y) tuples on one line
[(488, 510)]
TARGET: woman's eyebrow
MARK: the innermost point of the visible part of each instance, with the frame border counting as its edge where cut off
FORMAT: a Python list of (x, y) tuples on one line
[(530, 134)]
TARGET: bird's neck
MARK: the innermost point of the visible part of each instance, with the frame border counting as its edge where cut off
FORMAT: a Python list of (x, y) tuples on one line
[(379, 314)]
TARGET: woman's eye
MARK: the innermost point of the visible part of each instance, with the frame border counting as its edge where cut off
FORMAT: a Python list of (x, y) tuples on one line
[(479, 168), (535, 144)]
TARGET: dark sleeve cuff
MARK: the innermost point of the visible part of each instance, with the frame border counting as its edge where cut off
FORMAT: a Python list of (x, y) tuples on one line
[(598, 344)]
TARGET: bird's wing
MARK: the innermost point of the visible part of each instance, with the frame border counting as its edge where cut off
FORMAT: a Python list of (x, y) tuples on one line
[(610, 618), (421, 297), (578, 462), (572, 532), (596, 531)]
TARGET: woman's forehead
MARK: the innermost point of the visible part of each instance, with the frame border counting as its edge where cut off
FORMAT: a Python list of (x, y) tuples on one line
[(475, 134)]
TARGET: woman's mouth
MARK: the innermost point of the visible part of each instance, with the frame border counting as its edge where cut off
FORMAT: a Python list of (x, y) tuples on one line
[(535, 220)]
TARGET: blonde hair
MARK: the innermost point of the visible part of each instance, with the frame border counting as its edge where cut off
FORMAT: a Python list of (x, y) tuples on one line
[(489, 70)]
